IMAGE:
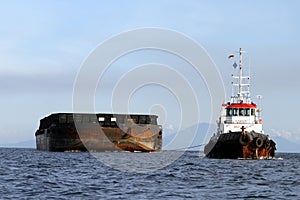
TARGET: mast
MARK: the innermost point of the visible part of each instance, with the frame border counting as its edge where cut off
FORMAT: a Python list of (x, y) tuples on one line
[(242, 83), (240, 77)]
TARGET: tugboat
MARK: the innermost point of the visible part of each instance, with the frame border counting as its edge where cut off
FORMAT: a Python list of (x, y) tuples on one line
[(240, 132)]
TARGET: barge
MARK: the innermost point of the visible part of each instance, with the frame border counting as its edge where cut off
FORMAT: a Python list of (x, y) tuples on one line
[(80, 132)]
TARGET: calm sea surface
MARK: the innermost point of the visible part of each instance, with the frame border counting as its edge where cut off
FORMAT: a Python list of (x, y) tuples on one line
[(31, 174)]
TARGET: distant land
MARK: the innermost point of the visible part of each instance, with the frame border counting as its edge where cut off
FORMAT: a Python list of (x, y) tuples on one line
[(282, 144), (286, 146)]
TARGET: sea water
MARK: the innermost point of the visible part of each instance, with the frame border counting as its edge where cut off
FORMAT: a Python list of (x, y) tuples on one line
[(32, 174)]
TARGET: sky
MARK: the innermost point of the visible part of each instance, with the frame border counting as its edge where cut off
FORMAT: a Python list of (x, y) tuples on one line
[(43, 45)]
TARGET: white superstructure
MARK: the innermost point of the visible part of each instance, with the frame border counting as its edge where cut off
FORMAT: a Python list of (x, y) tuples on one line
[(240, 111)]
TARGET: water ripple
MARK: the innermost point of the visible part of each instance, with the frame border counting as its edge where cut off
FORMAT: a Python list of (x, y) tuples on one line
[(31, 174)]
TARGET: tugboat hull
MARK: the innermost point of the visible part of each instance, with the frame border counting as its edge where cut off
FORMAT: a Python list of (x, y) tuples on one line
[(233, 145)]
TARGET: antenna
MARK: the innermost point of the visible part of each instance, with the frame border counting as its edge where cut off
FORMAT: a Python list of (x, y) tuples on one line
[(241, 92), (259, 97)]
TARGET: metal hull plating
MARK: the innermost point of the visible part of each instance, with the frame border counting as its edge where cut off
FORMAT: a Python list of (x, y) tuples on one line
[(235, 145), (54, 135)]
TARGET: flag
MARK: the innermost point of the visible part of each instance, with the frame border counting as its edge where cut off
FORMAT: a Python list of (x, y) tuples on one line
[(231, 56)]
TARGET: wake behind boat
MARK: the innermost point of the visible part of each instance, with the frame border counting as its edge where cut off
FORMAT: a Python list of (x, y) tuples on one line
[(240, 132)]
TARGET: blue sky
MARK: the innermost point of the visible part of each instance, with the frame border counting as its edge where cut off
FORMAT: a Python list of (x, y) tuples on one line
[(43, 44)]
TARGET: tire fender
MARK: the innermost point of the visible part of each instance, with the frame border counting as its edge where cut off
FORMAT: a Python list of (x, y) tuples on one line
[(259, 142), (245, 139)]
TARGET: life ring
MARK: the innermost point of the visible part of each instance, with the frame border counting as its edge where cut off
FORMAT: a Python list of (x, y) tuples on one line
[(245, 139), (259, 142)]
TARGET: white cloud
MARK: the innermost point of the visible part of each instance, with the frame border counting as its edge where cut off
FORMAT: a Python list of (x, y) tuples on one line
[(170, 127), (169, 130), (291, 135)]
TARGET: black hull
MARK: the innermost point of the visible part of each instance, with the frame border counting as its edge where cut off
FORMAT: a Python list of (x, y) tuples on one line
[(236, 145)]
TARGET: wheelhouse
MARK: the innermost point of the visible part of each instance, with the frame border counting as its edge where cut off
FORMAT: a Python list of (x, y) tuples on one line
[(241, 110)]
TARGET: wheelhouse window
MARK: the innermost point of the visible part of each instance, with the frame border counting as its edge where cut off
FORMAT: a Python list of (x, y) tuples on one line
[(235, 112), (239, 112), (229, 112), (247, 111)]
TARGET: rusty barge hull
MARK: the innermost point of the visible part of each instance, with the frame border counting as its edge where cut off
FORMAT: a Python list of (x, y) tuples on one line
[(98, 132), (235, 145)]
